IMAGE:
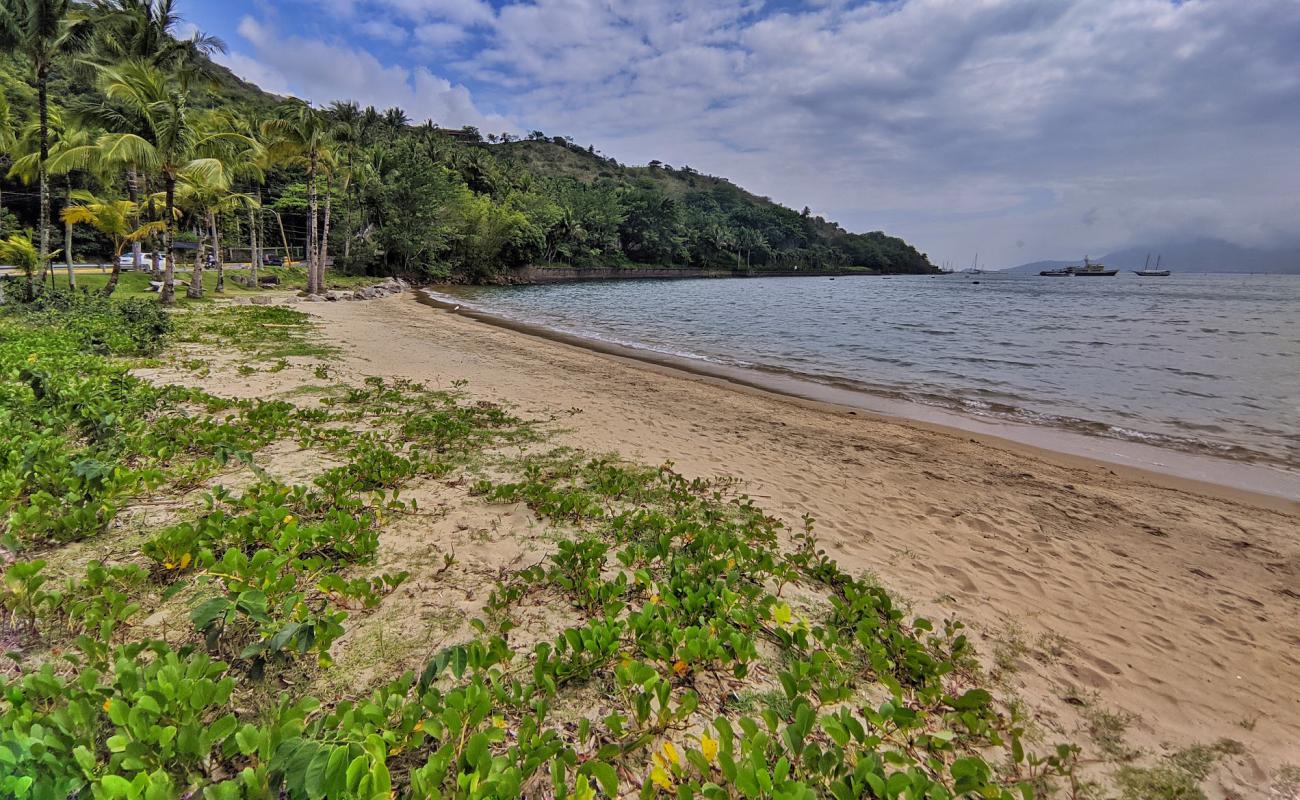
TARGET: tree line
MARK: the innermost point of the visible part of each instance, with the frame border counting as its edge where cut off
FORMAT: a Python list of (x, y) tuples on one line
[(135, 141)]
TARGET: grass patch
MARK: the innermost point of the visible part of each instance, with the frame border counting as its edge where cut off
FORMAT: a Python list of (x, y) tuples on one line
[(263, 332), (1157, 783), (1199, 760), (1108, 730)]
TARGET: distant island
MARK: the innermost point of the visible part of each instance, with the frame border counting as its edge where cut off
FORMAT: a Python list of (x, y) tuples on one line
[(1202, 255)]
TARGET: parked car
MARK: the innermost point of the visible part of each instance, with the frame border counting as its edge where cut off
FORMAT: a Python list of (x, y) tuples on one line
[(146, 261), (273, 260)]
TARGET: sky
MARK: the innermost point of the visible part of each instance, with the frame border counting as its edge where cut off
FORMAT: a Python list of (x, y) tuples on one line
[(1017, 130)]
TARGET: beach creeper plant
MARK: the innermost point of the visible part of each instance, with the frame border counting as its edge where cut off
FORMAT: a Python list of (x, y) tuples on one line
[(678, 597)]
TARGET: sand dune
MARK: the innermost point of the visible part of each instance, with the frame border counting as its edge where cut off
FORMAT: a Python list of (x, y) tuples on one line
[(1090, 587)]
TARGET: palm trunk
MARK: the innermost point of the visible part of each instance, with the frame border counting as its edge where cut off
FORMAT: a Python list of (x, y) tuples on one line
[(43, 102), (216, 252), (313, 287), (322, 260), (67, 239), (195, 290), (113, 276), (133, 194), (254, 245), (168, 292)]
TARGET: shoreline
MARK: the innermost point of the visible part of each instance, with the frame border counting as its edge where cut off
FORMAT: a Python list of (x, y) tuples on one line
[(1260, 485), (1088, 588)]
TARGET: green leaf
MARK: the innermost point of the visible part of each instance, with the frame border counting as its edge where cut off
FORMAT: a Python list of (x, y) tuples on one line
[(316, 779), (282, 637), (208, 612), (972, 700), (248, 739), (604, 775), (115, 786), (85, 759), (223, 727)]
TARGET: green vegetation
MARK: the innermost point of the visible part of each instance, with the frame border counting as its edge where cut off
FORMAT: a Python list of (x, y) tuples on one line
[(191, 653), (137, 140)]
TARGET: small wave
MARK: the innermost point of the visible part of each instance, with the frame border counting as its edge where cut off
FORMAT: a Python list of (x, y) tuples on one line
[(1187, 373)]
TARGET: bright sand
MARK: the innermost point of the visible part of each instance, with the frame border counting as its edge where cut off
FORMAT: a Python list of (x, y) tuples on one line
[(1174, 601)]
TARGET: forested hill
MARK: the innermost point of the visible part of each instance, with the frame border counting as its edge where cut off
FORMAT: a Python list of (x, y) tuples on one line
[(391, 197), (722, 223)]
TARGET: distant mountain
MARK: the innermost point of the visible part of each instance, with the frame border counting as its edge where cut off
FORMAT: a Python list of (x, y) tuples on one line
[(1204, 255)]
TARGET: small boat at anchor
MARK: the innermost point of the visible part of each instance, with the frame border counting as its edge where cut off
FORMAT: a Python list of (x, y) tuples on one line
[(1148, 272)]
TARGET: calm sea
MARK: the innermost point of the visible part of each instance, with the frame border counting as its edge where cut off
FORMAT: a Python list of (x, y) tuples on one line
[(1206, 364)]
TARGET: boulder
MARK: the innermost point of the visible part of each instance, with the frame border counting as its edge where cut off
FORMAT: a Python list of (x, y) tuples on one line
[(261, 301)]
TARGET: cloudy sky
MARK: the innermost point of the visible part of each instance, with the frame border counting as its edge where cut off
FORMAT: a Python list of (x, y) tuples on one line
[(1018, 129)]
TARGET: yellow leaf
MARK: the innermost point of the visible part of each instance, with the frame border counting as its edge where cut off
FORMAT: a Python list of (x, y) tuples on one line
[(108, 703), (289, 519), (680, 668), (168, 565), (661, 779), (709, 747), (670, 753), (782, 614), (498, 722), (185, 560), (31, 359), (731, 563), (654, 599), (419, 726)]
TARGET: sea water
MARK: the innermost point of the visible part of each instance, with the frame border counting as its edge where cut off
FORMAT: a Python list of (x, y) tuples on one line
[(1205, 364)]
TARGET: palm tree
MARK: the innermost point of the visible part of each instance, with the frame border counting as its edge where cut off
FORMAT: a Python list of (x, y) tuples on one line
[(8, 135), (147, 29), (395, 121), (116, 219), (301, 135), (206, 195), (252, 162), (63, 135), (172, 138), (348, 133), (19, 251), (44, 31)]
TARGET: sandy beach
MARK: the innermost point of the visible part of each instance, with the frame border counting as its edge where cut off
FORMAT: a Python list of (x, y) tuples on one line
[(1171, 604)]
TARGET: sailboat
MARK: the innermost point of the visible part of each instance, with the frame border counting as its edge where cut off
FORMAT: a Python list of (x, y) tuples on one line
[(975, 267), (1147, 272)]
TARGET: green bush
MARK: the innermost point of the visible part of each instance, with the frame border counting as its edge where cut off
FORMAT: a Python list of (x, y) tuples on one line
[(103, 325)]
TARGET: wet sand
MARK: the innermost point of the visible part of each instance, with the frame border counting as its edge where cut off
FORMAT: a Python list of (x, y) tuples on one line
[(1090, 586)]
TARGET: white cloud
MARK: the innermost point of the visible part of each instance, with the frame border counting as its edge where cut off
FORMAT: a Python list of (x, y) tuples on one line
[(383, 30), (440, 34), (322, 72)]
